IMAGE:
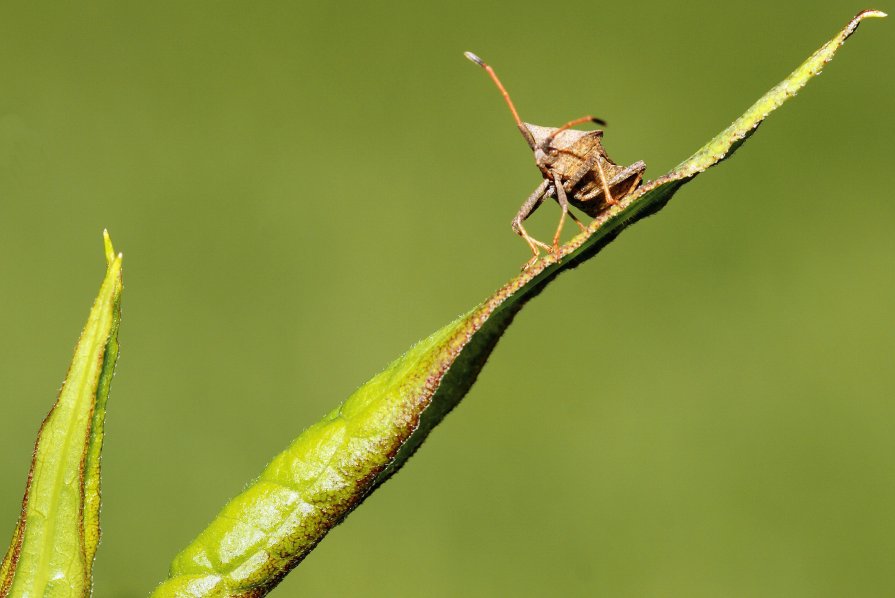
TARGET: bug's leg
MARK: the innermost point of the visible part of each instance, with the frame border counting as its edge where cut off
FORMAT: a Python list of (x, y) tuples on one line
[(634, 173), (608, 196), (575, 179), (580, 224), (582, 171), (531, 204), (563, 202), (574, 218)]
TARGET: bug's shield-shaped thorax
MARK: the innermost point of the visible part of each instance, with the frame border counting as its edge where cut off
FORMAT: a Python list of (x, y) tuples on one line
[(568, 151)]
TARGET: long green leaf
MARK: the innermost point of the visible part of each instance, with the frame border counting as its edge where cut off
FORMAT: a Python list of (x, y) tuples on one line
[(56, 537), (333, 465)]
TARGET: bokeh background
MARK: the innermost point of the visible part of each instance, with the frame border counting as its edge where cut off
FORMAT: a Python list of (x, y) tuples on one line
[(302, 190)]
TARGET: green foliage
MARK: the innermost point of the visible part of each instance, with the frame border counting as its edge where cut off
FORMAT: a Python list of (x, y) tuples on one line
[(333, 465), (55, 540)]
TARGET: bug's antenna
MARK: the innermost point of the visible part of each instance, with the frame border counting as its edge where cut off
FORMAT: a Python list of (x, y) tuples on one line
[(506, 96), (503, 91), (569, 125)]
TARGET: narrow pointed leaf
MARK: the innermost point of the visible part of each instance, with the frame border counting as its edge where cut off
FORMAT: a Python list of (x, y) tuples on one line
[(333, 465), (56, 537)]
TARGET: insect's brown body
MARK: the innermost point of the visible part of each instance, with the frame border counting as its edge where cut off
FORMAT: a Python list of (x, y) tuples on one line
[(571, 155), (576, 170)]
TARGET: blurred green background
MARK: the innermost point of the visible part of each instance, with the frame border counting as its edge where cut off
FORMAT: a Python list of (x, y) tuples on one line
[(302, 190)]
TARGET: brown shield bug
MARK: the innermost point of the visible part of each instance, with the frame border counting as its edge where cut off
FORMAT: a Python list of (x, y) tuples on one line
[(575, 168)]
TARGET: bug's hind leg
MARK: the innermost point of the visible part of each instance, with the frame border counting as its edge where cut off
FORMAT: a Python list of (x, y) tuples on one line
[(531, 204)]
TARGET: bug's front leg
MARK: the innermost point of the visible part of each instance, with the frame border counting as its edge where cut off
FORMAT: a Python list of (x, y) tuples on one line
[(531, 204)]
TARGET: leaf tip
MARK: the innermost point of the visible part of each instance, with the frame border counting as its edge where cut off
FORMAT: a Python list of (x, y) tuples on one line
[(864, 14), (871, 13), (109, 248)]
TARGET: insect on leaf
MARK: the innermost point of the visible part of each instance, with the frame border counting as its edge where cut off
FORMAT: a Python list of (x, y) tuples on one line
[(55, 540), (334, 464)]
